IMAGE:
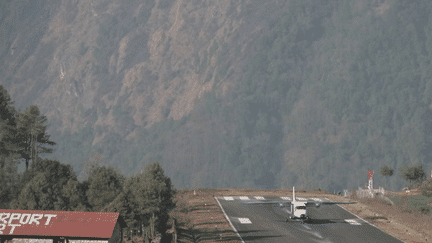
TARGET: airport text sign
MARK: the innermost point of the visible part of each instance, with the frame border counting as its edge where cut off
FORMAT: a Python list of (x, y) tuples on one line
[(8, 221), (57, 223)]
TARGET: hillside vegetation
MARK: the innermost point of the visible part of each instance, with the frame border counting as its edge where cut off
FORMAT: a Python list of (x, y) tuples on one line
[(257, 95)]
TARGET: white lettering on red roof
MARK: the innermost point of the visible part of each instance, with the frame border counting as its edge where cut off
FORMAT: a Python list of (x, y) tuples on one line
[(14, 216), (49, 216), (35, 218), (13, 227), (4, 216), (25, 218)]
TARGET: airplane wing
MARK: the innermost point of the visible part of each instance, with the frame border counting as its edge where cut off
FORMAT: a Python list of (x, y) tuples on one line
[(328, 203), (319, 203), (309, 202), (275, 203), (286, 203)]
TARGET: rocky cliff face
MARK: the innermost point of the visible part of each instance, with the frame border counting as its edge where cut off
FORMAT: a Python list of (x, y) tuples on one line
[(222, 93), (118, 67), (88, 61)]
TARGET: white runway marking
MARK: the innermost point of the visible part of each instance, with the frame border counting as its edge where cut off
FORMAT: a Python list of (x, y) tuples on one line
[(244, 198), (361, 220), (352, 221), (259, 198), (245, 221), (229, 198), (229, 221), (307, 227), (301, 198), (310, 231), (317, 199), (286, 198)]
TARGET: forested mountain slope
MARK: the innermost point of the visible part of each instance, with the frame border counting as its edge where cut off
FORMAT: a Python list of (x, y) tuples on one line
[(228, 93)]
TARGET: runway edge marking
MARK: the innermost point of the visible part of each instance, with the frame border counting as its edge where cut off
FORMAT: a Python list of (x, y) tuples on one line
[(229, 221), (369, 223)]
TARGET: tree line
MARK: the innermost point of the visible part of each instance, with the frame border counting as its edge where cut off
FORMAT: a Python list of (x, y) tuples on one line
[(414, 176), (144, 199)]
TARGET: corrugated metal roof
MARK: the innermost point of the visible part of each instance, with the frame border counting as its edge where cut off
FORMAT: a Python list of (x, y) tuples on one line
[(58, 223)]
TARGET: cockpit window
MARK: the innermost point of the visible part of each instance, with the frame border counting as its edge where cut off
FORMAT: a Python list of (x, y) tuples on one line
[(301, 207)]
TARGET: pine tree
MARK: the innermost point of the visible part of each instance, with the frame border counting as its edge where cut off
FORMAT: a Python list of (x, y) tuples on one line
[(145, 201), (154, 194), (9, 159), (9, 179), (8, 124), (415, 174), (43, 186), (105, 184), (126, 205), (32, 134), (386, 171), (74, 192)]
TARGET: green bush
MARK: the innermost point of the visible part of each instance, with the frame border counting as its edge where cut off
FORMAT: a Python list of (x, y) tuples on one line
[(426, 189), (425, 210)]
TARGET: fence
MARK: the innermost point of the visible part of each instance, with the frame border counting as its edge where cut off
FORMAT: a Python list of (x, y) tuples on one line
[(367, 193)]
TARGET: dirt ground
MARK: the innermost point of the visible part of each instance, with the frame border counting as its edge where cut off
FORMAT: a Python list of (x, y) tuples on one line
[(199, 218), (408, 227)]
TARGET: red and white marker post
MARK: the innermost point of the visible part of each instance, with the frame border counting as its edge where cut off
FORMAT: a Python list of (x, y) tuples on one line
[(370, 177)]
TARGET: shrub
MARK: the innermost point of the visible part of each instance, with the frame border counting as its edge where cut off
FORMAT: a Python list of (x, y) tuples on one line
[(426, 189), (424, 210)]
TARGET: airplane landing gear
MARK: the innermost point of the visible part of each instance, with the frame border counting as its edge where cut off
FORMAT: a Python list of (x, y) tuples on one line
[(305, 220)]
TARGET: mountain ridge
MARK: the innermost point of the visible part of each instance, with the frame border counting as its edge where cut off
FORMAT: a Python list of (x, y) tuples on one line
[(227, 93)]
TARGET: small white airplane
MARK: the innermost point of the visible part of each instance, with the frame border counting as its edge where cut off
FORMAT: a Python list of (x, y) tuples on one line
[(299, 207)]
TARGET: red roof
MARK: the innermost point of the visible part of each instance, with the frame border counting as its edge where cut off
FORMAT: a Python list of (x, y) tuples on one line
[(58, 223)]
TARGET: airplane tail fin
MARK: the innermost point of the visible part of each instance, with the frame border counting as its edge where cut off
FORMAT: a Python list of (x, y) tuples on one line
[(293, 194)]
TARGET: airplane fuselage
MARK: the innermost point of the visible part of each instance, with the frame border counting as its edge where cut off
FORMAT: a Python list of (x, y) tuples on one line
[(298, 210)]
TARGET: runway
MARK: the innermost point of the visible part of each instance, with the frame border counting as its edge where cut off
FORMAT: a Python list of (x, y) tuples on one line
[(267, 223)]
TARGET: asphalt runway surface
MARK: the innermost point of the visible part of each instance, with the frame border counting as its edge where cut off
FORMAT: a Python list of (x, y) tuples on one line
[(267, 223)]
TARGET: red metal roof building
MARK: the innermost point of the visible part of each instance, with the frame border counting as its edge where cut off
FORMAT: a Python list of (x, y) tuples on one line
[(61, 226)]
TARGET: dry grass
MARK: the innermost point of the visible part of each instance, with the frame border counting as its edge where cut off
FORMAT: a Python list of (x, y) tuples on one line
[(200, 219), (399, 221)]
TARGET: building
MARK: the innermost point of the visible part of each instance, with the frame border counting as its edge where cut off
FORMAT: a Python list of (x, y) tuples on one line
[(29, 226)]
